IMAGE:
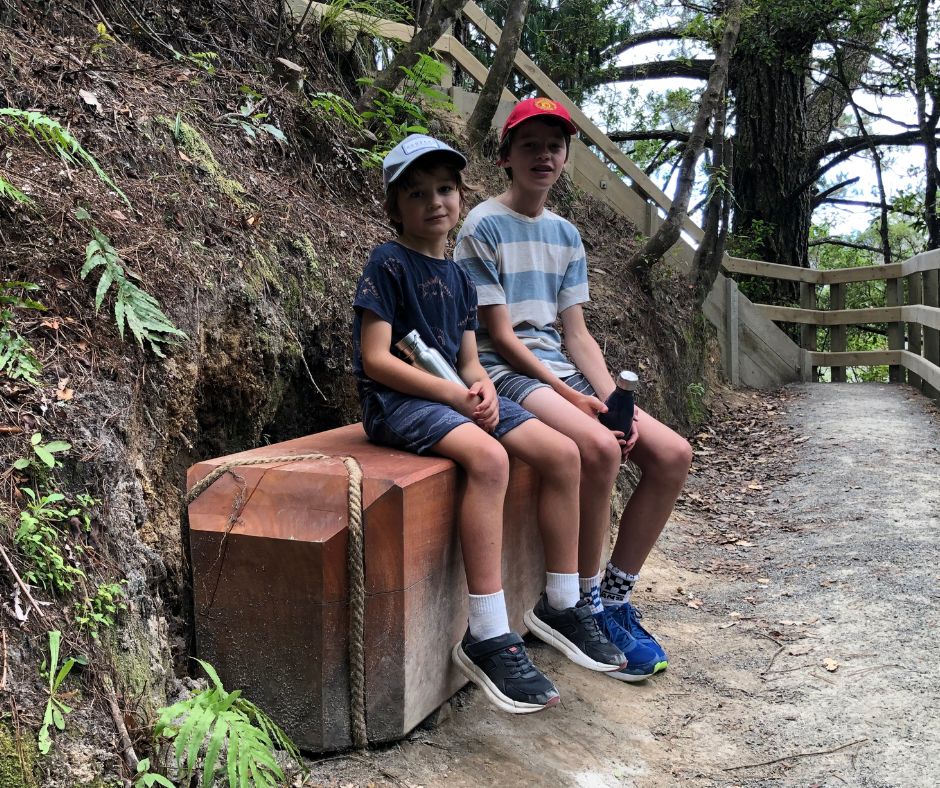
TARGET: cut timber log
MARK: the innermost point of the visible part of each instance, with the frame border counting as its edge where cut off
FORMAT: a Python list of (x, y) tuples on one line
[(271, 594)]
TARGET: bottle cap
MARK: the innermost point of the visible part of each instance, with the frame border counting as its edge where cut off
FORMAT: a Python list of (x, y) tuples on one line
[(627, 380), (409, 343)]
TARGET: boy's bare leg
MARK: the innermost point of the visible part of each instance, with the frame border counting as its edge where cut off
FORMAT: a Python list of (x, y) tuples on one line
[(600, 463), (556, 460), (663, 458), (486, 467)]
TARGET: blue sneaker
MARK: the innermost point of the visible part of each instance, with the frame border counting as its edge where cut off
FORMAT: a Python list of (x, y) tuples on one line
[(645, 656)]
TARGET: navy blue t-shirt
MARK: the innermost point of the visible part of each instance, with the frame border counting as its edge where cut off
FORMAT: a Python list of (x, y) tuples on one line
[(410, 291)]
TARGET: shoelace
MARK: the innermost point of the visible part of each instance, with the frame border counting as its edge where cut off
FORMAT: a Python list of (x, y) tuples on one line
[(519, 665)]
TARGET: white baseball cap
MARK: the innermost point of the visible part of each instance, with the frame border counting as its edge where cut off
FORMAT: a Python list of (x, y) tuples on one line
[(412, 148)]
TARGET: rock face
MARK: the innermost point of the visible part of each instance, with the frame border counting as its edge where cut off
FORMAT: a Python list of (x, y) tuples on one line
[(252, 245)]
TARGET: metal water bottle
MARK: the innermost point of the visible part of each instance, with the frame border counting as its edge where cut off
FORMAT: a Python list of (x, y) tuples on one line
[(427, 358), (620, 404)]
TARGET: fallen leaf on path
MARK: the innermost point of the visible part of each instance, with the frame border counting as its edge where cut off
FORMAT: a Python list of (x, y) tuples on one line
[(89, 98), (694, 603), (831, 665)]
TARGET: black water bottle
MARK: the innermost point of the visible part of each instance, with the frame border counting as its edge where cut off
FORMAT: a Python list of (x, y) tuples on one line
[(619, 415)]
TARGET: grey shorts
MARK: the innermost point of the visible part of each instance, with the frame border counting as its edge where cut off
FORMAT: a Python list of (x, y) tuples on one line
[(517, 387), (416, 425)]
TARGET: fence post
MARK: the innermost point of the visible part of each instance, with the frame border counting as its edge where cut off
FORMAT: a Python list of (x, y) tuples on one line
[(915, 295), (808, 331), (893, 290), (732, 329), (837, 334), (931, 335)]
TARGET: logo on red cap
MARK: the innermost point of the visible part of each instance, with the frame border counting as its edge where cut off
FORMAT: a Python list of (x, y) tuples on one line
[(544, 104)]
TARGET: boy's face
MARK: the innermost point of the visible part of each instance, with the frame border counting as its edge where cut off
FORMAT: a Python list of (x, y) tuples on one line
[(428, 204), (536, 155)]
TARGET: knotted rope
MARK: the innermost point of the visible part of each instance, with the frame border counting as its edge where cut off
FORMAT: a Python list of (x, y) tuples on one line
[(355, 566)]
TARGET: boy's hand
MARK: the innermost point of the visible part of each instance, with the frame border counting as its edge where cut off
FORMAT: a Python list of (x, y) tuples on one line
[(486, 413), (627, 443), (466, 402), (585, 402)]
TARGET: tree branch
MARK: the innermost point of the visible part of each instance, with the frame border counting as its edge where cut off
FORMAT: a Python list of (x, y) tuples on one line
[(665, 135), (668, 233), (659, 69), (841, 242), (646, 37), (832, 189)]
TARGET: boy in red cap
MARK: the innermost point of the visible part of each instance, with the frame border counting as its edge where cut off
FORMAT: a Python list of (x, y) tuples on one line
[(529, 268)]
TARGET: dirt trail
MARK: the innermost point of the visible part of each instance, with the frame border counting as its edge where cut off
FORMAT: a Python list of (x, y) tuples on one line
[(796, 589)]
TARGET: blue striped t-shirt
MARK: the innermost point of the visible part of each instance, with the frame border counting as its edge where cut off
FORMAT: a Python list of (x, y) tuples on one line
[(535, 266)]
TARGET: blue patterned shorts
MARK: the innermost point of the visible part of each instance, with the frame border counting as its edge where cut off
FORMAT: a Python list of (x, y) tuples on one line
[(416, 425)]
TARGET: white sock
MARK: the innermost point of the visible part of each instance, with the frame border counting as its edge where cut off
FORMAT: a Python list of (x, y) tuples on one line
[(590, 590), (562, 589), (488, 618)]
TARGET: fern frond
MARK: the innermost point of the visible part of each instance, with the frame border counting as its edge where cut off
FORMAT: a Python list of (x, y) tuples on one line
[(133, 306), (17, 359), (49, 133), (9, 192), (222, 721)]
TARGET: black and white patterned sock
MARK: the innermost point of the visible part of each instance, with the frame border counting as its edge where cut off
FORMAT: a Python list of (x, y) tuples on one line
[(617, 586)]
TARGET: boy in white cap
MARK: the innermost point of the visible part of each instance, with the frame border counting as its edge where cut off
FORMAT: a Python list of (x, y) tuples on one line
[(529, 267), (411, 284)]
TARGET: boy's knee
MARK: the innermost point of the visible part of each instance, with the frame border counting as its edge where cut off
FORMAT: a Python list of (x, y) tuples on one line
[(562, 462), (490, 464), (601, 452), (674, 460)]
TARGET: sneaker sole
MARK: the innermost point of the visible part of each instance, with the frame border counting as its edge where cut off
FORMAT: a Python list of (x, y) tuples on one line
[(558, 641), (633, 678), (500, 700)]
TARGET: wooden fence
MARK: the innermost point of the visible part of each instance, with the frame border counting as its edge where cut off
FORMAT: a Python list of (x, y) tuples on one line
[(911, 312)]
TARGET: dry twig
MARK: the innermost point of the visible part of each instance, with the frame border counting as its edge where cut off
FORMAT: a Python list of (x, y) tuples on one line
[(22, 585), (795, 755)]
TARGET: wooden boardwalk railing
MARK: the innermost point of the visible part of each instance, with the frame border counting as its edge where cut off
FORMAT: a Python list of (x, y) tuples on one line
[(912, 313), (754, 350)]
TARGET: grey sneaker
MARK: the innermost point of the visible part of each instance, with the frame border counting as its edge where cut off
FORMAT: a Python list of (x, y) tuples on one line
[(574, 632), (501, 668)]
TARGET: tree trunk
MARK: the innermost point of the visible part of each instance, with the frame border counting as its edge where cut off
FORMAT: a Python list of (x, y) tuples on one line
[(927, 122), (711, 249), (482, 116), (773, 211), (389, 79), (668, 233)]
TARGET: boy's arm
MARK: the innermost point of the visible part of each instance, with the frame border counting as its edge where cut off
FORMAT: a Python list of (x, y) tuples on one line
[(585, 352), (499, 326), (486, 412), (382, 366)]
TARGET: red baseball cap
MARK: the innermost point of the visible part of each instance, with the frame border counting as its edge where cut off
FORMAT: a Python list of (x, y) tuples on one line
[(534, 108)]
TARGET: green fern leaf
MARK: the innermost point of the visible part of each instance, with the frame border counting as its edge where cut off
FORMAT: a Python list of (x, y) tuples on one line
[(198, 736), (9, 192), (119, 316), (107, 277), (231, 761), (185, 736), (212, 752)]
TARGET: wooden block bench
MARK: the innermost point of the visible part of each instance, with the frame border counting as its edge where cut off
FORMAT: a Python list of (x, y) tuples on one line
[(271, 590)]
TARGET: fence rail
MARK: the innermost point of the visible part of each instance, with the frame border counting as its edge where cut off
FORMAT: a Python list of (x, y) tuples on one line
[(912, 314)]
